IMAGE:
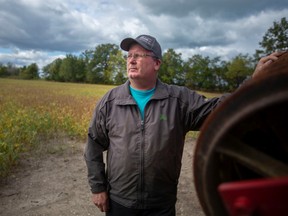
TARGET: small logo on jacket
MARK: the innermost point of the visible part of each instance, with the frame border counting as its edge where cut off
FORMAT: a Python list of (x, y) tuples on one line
[(163, 117)]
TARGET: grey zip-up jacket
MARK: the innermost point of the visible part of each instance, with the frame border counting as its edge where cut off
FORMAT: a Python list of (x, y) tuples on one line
[(143, 155)]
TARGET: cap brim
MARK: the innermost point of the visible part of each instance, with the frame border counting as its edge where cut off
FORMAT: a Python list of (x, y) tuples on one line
[(126, 43)]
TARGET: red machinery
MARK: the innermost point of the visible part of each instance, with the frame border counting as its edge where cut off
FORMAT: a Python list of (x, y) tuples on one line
[(263, 197)]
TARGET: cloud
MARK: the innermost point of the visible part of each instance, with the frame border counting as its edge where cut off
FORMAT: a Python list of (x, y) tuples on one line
[(46, 29), (225, 37), (26, 57), (224, 9), (48, 26)]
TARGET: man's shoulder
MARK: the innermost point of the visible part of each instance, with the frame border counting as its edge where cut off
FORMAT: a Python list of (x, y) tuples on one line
[(183, 94), (116, 92), (176, 90)]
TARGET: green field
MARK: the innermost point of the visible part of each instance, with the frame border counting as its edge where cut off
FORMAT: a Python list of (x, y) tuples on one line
[(34, 111)]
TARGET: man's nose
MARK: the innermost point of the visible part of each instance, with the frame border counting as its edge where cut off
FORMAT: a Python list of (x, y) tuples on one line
[(132, 60)]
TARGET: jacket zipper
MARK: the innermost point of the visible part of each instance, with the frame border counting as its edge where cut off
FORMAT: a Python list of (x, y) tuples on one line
[(142, 202), (142, 164)]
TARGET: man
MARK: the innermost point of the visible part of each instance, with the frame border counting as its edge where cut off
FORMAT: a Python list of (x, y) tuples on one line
[(142, 124)]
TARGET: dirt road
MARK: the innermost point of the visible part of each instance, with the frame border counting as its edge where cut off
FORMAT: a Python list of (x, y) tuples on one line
[(52, 181)]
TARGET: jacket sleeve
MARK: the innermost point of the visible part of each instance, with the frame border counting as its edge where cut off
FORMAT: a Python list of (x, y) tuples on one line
[(96, 144), (199, 109)]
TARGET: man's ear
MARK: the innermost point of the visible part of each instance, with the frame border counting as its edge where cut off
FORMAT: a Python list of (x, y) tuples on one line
[(158, 62)]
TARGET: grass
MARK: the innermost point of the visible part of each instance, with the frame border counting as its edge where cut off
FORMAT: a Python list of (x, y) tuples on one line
[(33, 112)]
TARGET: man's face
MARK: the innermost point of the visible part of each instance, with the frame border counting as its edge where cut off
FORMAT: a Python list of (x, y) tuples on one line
[(142, 67)]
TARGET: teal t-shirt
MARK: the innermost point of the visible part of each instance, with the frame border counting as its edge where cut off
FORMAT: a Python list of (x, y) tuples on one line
[(141, 97)]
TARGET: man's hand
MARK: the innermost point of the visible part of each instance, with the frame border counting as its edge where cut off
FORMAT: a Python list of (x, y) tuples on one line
[(101, 201), (264, 62)]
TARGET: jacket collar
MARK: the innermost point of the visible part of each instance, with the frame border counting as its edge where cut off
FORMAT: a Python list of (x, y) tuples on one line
[(125, 97), (161, 91)]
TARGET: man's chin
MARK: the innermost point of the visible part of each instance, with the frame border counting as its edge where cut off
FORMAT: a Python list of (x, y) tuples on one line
[(133, 76)]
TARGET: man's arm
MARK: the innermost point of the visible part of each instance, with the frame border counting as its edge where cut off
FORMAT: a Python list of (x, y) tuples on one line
[(97, 143), (93, 156)]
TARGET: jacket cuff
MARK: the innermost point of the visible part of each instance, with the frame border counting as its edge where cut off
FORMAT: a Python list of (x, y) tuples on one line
[(99, 189)]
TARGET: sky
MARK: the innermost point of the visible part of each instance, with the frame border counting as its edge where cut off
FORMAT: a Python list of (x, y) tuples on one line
[(38, 31)]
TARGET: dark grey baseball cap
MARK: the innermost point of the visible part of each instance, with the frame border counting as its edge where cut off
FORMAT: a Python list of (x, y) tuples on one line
[(146, 41)]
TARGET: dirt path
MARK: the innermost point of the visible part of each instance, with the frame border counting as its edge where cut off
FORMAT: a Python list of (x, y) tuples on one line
[(53, 182)]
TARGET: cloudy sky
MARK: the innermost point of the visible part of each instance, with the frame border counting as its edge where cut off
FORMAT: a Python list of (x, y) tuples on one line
[(38, 31)]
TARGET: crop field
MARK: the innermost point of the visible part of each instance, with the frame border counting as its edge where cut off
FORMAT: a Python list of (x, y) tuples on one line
[(32, 112)]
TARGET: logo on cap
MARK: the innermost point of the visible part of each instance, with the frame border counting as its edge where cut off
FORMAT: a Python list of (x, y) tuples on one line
[(147, 40)]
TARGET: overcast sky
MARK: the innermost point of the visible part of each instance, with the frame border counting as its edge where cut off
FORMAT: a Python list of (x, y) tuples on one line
[(38, 31)]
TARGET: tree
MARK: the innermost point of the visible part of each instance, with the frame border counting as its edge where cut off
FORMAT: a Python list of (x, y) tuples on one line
[(119, 78), (3, 70), (51, 71), (116, 67), (172, 70), (97, 62), (30, 72), (12, 70), (66, 68), (276, 38), (239, 69), (72, 69), (219, 70), (201, 73)]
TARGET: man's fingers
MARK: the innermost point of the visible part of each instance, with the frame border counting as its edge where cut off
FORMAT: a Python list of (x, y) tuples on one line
[(102, 207), (265, 61), (101, 201)]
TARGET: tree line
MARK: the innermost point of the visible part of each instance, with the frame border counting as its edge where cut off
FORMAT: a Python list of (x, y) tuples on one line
[(106, 65), (26, 72)]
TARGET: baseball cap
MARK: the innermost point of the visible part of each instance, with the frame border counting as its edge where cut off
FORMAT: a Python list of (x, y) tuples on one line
[(146, 41)]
